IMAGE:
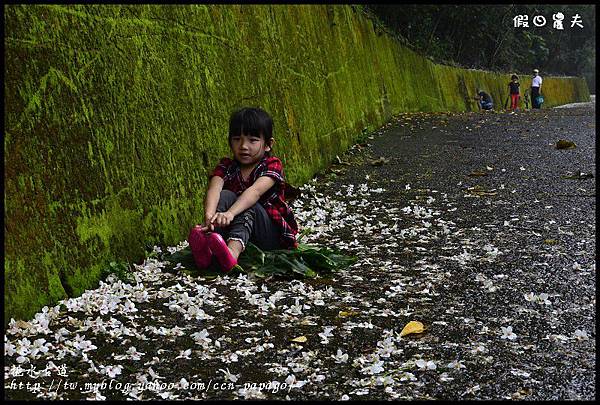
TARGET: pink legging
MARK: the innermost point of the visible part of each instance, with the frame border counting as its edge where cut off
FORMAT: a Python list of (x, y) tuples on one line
[(514, 101)]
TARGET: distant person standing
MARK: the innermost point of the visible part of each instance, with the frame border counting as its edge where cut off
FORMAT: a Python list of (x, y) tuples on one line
[(484, 100), (536, 89), (513, 87)]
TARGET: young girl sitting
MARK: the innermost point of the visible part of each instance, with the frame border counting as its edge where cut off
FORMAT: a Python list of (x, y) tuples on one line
[(245, 197)]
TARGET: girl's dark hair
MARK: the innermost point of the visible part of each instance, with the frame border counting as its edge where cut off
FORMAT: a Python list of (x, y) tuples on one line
[(251, 121), (513, 77)]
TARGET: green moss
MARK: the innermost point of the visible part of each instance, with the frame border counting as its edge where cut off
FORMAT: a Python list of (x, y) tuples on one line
[(23, 283), (115, 115)]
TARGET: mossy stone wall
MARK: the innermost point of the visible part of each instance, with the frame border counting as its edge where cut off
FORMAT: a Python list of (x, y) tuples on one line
[(115, 114)]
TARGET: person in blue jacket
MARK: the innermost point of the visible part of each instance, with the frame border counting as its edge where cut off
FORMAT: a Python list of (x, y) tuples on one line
[(484, 100)]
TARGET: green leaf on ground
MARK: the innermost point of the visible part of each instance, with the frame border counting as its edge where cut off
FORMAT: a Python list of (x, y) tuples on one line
[(307, 261)]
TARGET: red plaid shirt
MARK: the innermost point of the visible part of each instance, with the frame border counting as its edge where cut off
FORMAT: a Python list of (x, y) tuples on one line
[(272, 200)]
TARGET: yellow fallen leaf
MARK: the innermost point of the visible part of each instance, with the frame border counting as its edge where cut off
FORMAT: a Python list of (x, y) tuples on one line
[(550, 241), (307, 321), (300, 339), (477, 173), (564, 144), (412, 327), (344, 314), (479, 191)]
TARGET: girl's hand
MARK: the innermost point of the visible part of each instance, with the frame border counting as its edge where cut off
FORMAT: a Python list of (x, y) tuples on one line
[(207, 226), (204, 228), (221, 219)]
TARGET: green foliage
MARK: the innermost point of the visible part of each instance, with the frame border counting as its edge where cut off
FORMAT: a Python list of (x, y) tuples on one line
[(484, 36), (121, 270), (364, 135), (306, 261)]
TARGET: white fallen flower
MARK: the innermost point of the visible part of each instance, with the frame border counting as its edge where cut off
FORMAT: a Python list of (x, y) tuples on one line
[(457, 365), (406, 376), (326, 334), (444, 377), (134, 354), (558, 337), (472, 390), (292, 382), (153, 374), (427, 365), (9, 348), (479, 349), (581, 335), (489, 284), (543, 299), (184, 384), (295, 309), (82, 344), (340, 357), (201, 337), (520, 373), (375, 368), (367, 325), (168, 395), (129, 306), (39, 346), (384, 380), (507, 333), (251, 393), (229, 376), (318, 377), (231, 358), (111, 371), (97, 396), (184, 354)]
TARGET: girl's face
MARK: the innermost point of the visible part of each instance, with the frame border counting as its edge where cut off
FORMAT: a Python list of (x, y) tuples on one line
[(248, 149)]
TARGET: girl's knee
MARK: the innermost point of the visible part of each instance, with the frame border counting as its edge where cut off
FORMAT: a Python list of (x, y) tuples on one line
[(227, 193), (226, 200), (227, 196)]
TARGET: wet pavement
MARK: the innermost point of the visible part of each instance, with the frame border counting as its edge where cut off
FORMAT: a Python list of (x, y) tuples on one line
[(474, 224), (521, 219)]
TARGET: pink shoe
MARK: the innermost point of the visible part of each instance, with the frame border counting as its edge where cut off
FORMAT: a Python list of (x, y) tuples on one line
[(219, 248), (198, 241)]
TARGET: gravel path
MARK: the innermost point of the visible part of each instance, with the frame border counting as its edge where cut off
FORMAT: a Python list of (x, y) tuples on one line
[(473, 224)]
